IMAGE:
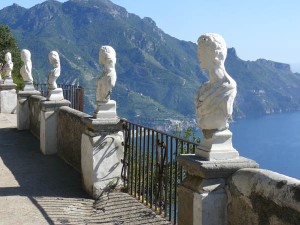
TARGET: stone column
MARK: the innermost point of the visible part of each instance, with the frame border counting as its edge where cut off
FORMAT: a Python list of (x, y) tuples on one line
[(202, 194), (48, 127), (23, 115), (101, 154), (8, 98)]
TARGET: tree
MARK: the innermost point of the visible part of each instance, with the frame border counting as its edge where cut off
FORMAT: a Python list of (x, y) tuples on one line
[(8, 43)]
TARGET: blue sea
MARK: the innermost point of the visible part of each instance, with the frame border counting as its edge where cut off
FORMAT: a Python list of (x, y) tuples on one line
[(273, 141)]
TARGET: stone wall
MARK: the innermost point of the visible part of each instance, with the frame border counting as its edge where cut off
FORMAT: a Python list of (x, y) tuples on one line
[(34, 114), (70, 128), (257, 196)]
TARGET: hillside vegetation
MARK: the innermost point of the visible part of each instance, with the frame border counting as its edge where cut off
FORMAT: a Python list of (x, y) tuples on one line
[(158, 75)]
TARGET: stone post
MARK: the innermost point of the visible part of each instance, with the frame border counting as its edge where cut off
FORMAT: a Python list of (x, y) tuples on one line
[(101, 154), (102, 142), (48, 127), (8, 98), (23, 113), (202, 194)]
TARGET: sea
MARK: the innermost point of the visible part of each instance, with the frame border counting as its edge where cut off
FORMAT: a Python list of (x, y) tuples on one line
[(273, 141)]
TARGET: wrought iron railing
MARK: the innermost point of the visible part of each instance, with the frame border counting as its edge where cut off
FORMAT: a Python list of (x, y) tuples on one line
[(73, 93), (150, 171)]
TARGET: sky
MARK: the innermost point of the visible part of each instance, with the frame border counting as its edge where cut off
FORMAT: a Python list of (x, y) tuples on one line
[(268, 29)]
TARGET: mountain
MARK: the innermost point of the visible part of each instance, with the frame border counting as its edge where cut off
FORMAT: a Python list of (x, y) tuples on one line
[(158, 75), (295, 67)]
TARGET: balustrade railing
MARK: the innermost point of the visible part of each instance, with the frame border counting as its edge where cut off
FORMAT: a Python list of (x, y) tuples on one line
[(150, 171), (72, 93)]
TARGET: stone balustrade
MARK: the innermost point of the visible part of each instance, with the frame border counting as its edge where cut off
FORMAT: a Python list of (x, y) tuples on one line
[(219, 191), (34, 104), (244, 196), (220, 186), (79, 139), (69, 143), (257, 196)]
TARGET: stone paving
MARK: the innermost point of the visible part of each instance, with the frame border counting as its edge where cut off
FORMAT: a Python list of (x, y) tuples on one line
[(39, 189)]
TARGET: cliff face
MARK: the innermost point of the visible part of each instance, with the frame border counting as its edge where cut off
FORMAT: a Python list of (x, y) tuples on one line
[(158, 75), (264, 86)]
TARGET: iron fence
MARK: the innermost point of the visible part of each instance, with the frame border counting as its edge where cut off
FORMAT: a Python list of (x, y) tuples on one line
[(72, 93), (150, 171)]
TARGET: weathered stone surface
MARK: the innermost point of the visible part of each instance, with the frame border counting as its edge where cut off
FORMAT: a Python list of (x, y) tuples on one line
[(259, 196), (213, 169), (101, 156), (202, 201), (103, 125), (54, 105), (23, 112), (69, 143), (202, 195), (9, 86), (34, 103), (48, 128), (8, 101)]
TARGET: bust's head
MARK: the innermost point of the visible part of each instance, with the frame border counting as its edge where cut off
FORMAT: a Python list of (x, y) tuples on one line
[(53, 57), (212, 50), (8, 57), (107, 55), (25, 55)]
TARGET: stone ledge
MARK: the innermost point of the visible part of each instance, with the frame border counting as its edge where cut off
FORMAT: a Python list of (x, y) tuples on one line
[(24, 94), (278, 188), (53, 105), (7, 86), (103, 125), (37, 98), (197, 166), (75, 112)]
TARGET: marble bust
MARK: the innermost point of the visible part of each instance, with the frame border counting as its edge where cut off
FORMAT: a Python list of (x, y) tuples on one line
[(214, 100), (8, 67), (107, 80), (26, 69), (55, 94), (55, 72)]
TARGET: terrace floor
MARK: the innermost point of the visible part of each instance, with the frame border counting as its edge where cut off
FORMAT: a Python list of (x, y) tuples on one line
[(39, 189)]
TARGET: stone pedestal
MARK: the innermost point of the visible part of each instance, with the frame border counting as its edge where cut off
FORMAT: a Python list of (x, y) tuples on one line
[(107, 110), (8, 98), (28, 86), (202, 195), (55, 95), (8, 80), (101, 154), (48, 127), (23, 114), (217, 145)]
